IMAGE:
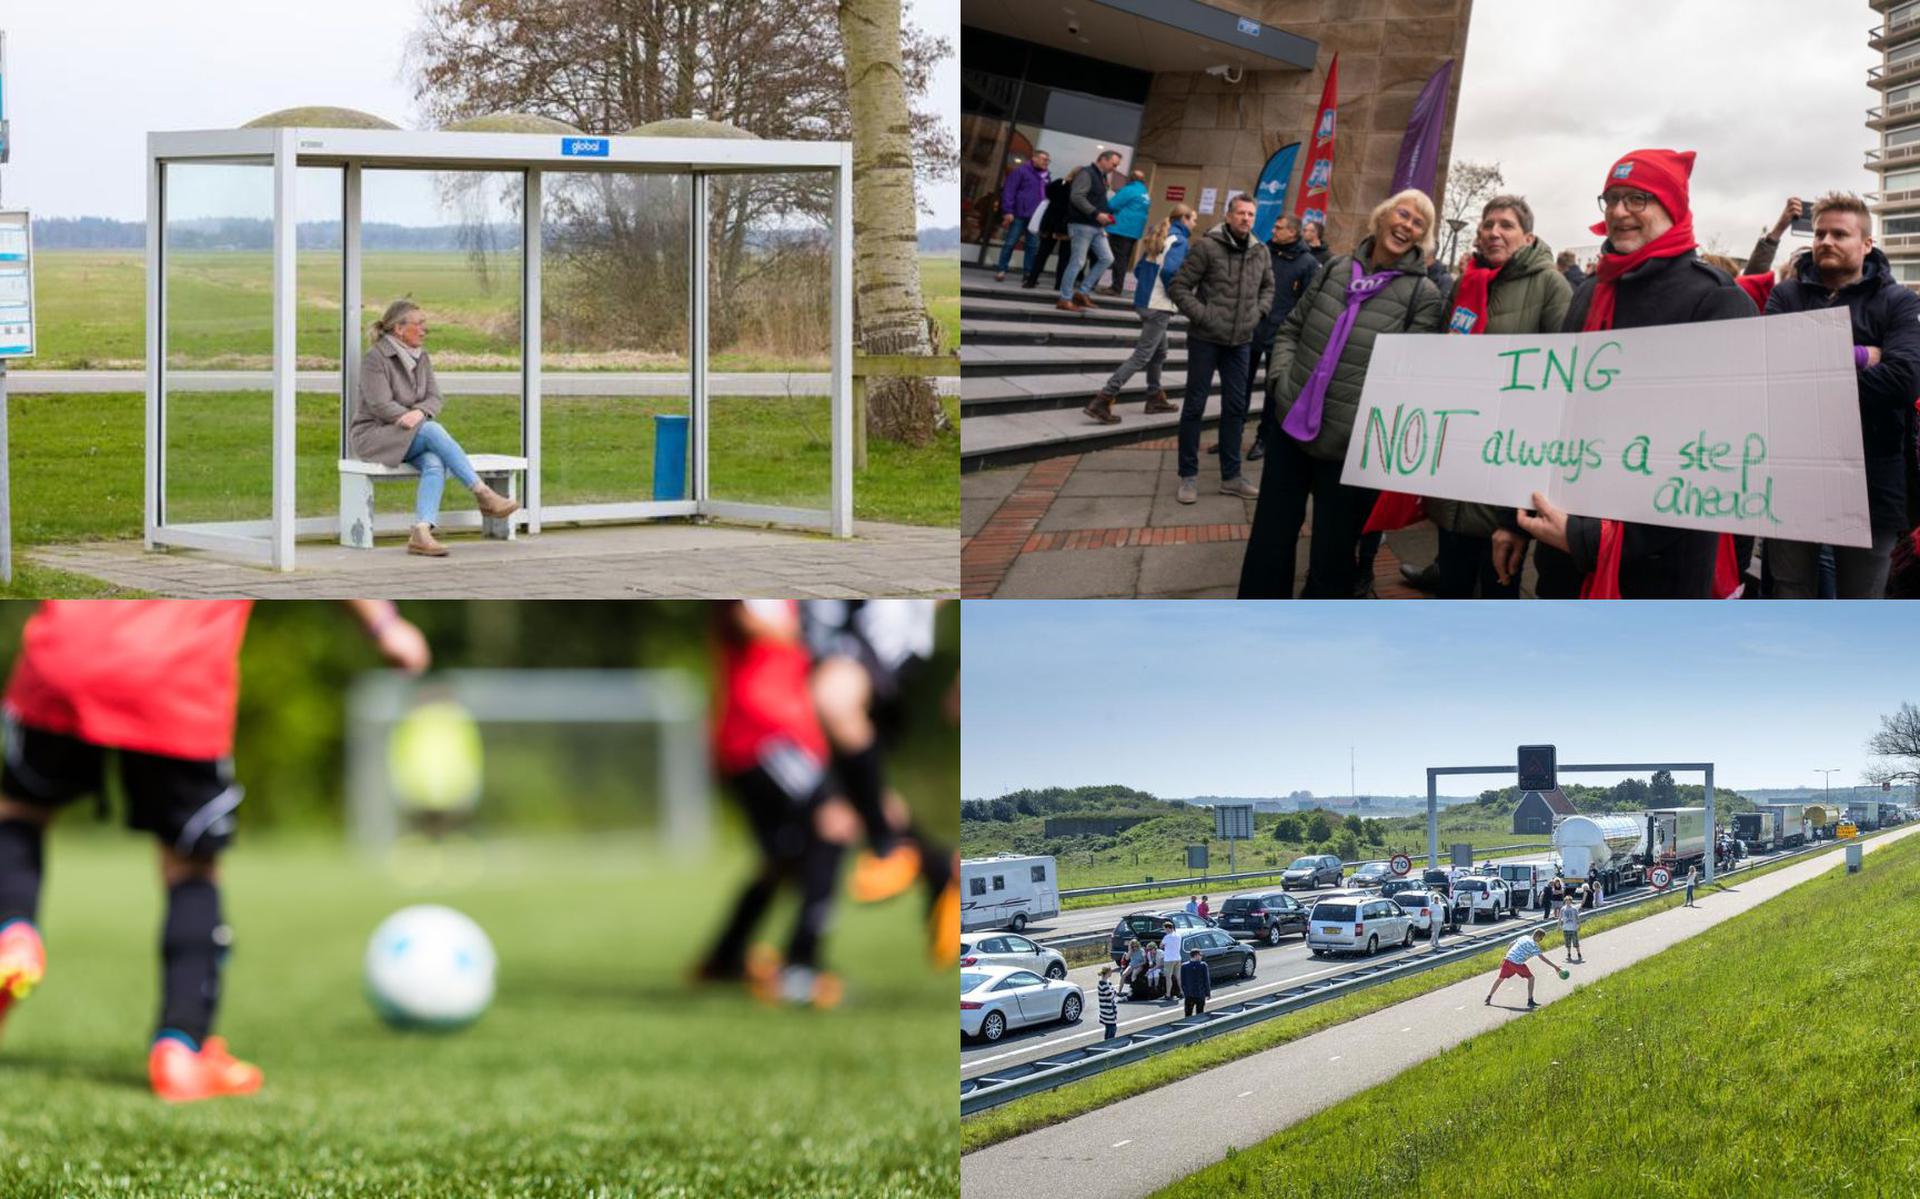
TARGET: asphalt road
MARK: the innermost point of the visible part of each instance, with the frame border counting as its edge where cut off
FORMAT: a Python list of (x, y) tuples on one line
[(552, 383)]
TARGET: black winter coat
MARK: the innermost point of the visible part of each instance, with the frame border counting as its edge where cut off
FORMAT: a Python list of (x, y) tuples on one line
[(1293, 268), (1656, 562), (1885, 315)]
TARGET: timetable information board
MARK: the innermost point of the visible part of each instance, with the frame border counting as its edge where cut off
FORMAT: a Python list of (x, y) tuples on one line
[(16, 285)]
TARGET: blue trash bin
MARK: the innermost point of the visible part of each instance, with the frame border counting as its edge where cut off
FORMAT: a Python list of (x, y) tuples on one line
[(669, 457)]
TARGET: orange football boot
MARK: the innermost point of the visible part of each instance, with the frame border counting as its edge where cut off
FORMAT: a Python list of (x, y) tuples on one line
[(878, 877), (943, 922), (23, 962), (181, 1074)]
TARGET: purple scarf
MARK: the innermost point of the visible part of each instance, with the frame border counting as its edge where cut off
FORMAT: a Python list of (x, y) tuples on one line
[(1303, 421)]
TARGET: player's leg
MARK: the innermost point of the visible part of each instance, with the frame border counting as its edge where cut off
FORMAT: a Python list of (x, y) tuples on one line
[(189, 806), (42, 772), (832, 827), (776, 819), (843, 696)]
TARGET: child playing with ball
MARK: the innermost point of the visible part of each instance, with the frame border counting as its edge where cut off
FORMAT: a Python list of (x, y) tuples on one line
[(154, 683), (1516, 963)]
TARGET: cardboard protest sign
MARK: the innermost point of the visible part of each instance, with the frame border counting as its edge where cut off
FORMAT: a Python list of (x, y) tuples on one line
[(1748, 426)]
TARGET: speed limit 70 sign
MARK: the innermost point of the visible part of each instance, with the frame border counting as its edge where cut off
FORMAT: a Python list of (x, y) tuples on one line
[(1662, 877), (1401, 863)]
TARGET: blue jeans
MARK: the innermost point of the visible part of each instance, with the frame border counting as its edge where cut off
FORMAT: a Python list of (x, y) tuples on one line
[(1014, 236), (1081, 237), (1203, 358), (436, 454)]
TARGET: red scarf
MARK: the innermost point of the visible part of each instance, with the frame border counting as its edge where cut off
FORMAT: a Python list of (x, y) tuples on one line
[(1394, 509), (1604, 582)]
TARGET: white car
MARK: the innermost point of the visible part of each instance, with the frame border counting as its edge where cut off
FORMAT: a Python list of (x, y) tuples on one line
[(1424, 907), (994, 999), (1357, 926), (1472, 896), (1011, 949)]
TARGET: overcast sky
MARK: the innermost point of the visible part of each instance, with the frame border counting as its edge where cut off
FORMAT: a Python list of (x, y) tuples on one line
[(1772, 94), (1211, 698), (87, 81)]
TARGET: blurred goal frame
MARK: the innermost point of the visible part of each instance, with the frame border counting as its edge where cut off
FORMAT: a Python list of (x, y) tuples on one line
[(671, 700)]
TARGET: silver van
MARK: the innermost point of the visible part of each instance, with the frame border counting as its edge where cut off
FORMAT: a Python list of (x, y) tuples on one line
[(1360, 925)]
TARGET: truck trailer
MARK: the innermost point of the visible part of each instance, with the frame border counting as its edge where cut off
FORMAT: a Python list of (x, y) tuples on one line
[(1865, 813), (1794, 822), (1678, 837), (1760, 830)]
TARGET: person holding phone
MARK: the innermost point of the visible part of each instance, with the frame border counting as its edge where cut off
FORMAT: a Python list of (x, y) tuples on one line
[(1797, 215)]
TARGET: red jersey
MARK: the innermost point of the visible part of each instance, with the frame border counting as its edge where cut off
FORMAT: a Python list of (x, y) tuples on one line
[(763, 692), (155, 676)]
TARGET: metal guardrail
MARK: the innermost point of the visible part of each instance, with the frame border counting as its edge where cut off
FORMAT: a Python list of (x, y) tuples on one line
[(1200, 880), (1055, 1070)]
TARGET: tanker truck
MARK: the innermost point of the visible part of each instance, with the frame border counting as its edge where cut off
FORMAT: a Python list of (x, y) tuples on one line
[(1608, 848), (1820, 821)]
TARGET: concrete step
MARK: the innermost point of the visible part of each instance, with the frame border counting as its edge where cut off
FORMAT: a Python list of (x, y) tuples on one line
[(1067, 332), (982, 287), (1001, 309), (990, 361), (1014, 437), (1038, 393)]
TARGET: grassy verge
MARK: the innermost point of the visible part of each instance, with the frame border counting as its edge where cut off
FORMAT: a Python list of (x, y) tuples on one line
[(1705, 1070), (1053, 1107), (596, 1071)]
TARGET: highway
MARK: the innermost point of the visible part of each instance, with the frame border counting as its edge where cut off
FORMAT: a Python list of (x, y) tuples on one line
[(1276, 969)]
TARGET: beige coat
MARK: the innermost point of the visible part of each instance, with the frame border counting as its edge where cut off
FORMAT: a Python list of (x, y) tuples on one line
[(386, 392)]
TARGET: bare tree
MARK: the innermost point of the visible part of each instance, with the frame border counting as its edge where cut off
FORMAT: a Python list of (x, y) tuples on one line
[(1469, 186), (892, 316), (1898, 741)]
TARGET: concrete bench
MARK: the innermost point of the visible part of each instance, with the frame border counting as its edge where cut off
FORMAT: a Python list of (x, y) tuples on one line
[(501, 472)]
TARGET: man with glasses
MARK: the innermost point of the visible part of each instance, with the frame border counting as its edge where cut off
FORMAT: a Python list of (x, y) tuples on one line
[(1649, 274)]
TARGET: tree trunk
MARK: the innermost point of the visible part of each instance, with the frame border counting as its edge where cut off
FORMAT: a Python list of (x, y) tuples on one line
[(890, 316)]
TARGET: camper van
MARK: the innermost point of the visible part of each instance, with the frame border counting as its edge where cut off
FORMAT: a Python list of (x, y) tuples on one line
[(1008, 891)]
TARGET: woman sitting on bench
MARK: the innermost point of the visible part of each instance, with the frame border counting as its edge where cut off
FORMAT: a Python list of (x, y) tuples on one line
[(393, 422)]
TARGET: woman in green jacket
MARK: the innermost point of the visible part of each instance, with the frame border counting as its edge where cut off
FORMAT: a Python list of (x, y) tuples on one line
[(1510, 286), (1319, 363)]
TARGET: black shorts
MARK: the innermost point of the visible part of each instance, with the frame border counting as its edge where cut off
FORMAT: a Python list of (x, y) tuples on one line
[(188, 803), (779, 795)]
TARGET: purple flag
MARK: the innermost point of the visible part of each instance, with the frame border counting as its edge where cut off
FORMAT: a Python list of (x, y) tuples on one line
[(1420, 148)]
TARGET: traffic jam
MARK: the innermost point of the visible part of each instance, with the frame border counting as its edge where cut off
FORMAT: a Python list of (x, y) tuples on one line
[(1017, 991)]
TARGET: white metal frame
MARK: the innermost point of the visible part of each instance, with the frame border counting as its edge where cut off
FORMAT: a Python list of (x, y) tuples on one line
[(354, 150)]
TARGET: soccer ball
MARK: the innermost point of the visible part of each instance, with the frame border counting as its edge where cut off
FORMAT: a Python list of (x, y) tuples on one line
[(429, 967)]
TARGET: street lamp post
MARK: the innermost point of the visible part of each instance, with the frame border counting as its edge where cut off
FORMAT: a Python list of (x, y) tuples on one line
[(1828, 776), (1453, 239)]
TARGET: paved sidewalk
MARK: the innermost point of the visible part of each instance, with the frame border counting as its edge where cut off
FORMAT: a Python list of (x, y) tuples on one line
[(647, 561), (1106, 525), (1114, 1152)]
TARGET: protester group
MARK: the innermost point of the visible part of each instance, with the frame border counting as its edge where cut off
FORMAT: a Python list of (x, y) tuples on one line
[(1311, 318)]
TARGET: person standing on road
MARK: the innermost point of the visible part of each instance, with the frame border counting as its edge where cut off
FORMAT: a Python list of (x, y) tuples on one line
[(1109, 1005), (1170, 959), (1205, 910), (1693, 876), (1224, 289), (1437, 923), (1193, 905), (1196, 983), (1570, 929), (1516, 963)]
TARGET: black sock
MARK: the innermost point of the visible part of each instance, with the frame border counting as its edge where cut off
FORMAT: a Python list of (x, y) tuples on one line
[(729, 955), (193, 946), (860, 771), (936, 861), (21, 847), (819, 877)]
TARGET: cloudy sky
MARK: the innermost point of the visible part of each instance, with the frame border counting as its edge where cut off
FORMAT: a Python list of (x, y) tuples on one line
[(1204, 698), (87, 81), (1771, 94)]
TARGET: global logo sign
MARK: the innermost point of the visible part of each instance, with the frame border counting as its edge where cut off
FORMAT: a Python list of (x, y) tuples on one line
[(584, 147)]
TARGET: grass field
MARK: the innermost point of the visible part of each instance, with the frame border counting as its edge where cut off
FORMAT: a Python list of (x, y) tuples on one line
[(92, 305), (596, 1071), (1053, 1107), (1772, 1054)]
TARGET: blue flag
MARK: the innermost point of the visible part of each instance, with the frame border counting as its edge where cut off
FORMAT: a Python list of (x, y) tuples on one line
[(1270, 194)]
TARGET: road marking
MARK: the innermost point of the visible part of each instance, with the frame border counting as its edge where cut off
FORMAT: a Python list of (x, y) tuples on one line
[(1334, 1058), (1243, 1094), (1409, 1029), (1117, 1144)]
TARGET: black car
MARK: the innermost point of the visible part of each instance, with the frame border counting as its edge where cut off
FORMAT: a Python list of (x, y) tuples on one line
[(1150, 926), (1226, 959), (1265, 917), (1438, 880), (1394, 886)]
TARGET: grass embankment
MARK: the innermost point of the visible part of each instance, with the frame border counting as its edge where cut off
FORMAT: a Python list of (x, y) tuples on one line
[(1771, 1054), (597, 1070), (1053, 1107), (92, 307)]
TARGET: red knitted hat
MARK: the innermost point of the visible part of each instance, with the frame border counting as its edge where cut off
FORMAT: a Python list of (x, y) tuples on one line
[(1662, 174)]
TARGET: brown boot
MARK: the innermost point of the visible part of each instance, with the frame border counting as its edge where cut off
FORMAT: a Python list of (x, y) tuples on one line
[(1066, 305), (1100, 408), (1084, 300), (1158, 402), (492, 503), (421, 542)]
